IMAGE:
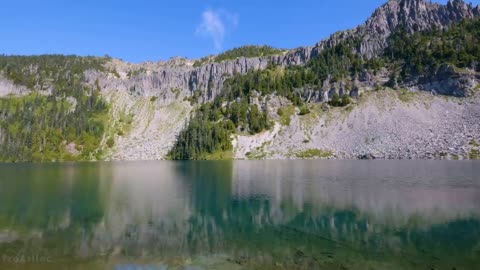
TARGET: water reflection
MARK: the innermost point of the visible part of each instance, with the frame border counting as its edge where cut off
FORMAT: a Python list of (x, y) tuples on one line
[(50, 197), (302, 214), (392, 193)]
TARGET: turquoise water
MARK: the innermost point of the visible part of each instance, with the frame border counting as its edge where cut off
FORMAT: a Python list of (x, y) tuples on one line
[(241, 215)]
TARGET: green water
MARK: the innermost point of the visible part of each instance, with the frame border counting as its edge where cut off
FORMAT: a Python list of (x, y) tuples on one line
[(241, 215)]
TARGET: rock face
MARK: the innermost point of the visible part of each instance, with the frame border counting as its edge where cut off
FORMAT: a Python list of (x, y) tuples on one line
[(171, 82), (7, 87), (448, 81), (414, 15), (178, 78)]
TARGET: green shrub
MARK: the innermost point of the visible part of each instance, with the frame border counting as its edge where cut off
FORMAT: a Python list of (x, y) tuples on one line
[(340, 102), (304, 110), (314, 153), (110, 142), (247, 51), (346, 100)]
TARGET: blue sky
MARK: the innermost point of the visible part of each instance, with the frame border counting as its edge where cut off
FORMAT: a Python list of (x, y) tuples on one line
[(151, 30)]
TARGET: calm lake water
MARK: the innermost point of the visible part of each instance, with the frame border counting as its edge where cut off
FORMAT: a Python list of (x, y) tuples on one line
[(241, 215)]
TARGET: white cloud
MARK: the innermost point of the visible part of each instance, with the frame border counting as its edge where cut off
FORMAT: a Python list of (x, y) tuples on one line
[(216, 24)]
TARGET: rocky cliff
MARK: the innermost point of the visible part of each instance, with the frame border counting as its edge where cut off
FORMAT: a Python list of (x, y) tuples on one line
[(178, 77), (414, 15)]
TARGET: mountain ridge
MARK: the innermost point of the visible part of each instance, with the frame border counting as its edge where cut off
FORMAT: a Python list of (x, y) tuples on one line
[(151, 103), (179, 72), (373, 42)]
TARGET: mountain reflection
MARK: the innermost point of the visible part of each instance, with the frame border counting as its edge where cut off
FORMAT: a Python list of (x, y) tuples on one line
[(269, 209), (395, 194)]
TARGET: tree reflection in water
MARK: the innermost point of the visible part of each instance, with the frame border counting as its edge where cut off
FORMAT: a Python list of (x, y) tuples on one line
[(276, 214)]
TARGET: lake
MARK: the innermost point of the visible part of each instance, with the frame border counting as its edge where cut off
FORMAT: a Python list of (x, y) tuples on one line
[(241, 215)]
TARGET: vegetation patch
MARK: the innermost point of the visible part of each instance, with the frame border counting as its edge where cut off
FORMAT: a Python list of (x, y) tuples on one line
[(45, 70), (474, 143), (38, 127), (110, 142), (244, 51), (424, 52), (340, 102), (193, 99), (200, 62), (206, 133), (124, 124), (475, 154), (304, 110), (248, 52), (176, 91), (405, 96), (349, 108), (286, 114), (313, 154), (135, 73), (219, 155), (257, 154)]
